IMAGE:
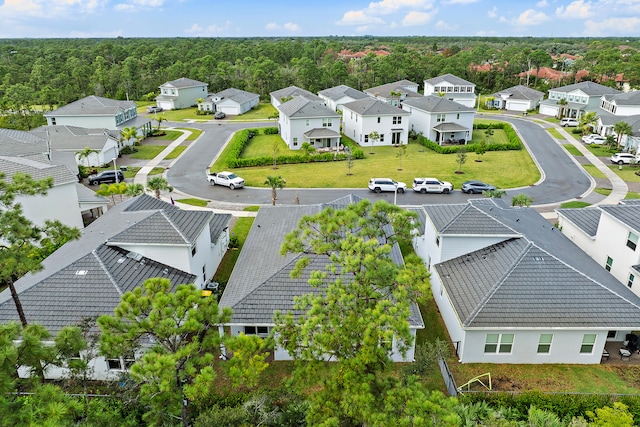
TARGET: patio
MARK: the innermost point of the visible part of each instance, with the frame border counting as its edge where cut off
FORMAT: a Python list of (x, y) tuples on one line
[(615, 358)]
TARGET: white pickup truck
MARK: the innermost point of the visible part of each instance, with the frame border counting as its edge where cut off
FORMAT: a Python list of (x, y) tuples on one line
[(228, 179)]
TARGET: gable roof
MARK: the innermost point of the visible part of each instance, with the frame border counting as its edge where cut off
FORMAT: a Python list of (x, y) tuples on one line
[(624, 98), (92, 106), (20, 143), (37, 167), (64, 137), (300, 107), (337, 92), (294, 91), (183, 82), (374, 107), (448, 78), (537, 279), (384, 91), (520, 92), (586, 219), (237, 95), (436, 104), (588, 87)]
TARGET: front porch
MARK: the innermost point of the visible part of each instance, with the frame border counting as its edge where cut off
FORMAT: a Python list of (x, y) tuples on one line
[(616, 358), (322, 138), (451, 133)]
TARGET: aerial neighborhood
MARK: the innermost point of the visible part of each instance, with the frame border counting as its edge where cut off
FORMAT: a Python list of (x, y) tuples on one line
[(511, 284)]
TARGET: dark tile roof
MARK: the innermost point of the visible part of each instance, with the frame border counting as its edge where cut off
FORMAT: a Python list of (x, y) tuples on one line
[(217, 224), (37, 167), (295, 91), (586, 219), (520, 92), (337, 92), (374, 107), (183, 82), (589, 88), (300, 107), (92, 105), (628, 214), (237, 95), (145, 202), (436, 104), (21, 143), (400, 86), (75, 138), (449, 78)]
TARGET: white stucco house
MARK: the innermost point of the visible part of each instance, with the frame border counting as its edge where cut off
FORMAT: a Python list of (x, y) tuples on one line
[(73, 139), (580, 98), (439, 119), (511, 288), (620, 107), (181, 93), (302, 120), (281, 96), (335, 97), (452, 88), (361, 118), (260, 283), (517, 98), (136, 240), (94, 112), (230, 101), (394, 93)]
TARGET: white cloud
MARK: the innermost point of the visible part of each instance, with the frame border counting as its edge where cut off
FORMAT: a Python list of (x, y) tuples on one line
[(359, 17), (612, 26), (531, 17), (386, 7), (493, 12), (136, 5), (371, 14), (289, 26), (209, 30), (575, 10), (48, 8), (460, 1), (416, 18), (441, 25), (542, 3), (271, 26)]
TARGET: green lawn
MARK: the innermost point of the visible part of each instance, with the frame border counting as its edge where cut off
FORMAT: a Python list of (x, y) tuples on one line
[(554, 133), (195, 133), (193, 202), (575, 204), (169, 135), (176, 152), (261, 111), (180, 115), (262, 146), (241, 229), (603, 191), (147, 152), (632, 195), (593, 171), (156, 171), (572, 149), (628, 173)]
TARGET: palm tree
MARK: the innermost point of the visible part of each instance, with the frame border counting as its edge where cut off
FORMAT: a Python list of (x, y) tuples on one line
[(621, 129), (129, 133), (134, 190), (158, 184), (521, 200), (563, 102), (84, 154), (276, 183), (199, 101), (112, 190), (587, 121), (160, 119)]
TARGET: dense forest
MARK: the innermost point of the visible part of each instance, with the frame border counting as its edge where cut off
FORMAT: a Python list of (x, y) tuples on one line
[(50, 72)]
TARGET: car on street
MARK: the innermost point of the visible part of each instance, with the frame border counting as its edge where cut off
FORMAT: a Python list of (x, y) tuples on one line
[(431, 185), (228, 179), (105, 176), (474, 187), (567, 121), (153, 109), (219, 115), (378, 185), (623, 158), (594, 138)]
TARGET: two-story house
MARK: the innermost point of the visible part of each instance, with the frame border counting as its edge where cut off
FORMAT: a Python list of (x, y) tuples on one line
[(281, 96), (95, 112), (512, 288), (620, 107), (394, 93), (302, 120), (575, 99), (335, 97), (230, 101), (517, 98), (452, 88), (181, 93), (74, 140), (363, 117), (440, 119)]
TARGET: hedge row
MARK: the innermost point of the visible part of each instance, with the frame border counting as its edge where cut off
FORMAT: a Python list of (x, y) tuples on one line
[(513, 144), (234, 159)]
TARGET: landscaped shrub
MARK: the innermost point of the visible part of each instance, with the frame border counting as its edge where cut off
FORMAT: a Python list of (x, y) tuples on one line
[(271, 131), (513, 144)]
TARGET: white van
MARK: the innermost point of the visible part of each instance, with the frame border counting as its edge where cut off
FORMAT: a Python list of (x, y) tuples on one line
[(569, 122)]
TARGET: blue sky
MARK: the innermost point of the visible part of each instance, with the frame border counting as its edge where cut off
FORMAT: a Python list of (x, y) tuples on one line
[(247, 18)]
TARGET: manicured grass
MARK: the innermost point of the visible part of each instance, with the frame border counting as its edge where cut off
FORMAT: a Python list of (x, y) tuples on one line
[(600, 150), (632, 195), (181, 115), (251, 209), (603, 191), (193, 202), (241, 229), (575, 204), (170, 135), (593, 171), (176, 152), (554, 133), (261, 111), (156, 171), (147, 152), (262, 146), (572, 149), (628, 173), (195, 133)]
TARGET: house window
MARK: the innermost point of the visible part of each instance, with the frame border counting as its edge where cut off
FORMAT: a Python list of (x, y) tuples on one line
[(256, 330), (544, 343), (456, 89), (498, 343), (632, 241), (611, 334), (378, 119), (588, 341), (397, 120), (326, 122), (382, 137), (193, 251), (609, 263), (440, 117), (630, 280), (262, 330), (53, 121), (250, 330), (121, 363), (366, 138), (295, 142), (437, 241), (458, 116), (307, 122)]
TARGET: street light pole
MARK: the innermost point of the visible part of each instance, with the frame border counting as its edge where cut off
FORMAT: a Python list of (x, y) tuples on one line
[(395, 194), (115, 169)]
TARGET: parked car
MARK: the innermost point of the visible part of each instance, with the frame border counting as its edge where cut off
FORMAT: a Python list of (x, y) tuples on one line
[(473, 187), (567, 121), (219, 115), (228, 179), (104, 177), (386, 184), (431, 185), (594, 138), (153, 109), (623, 158)]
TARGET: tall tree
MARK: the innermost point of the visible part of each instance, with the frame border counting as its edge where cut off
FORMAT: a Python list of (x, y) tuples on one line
[(360, 306), (182, 344), (85, 155), (621, 129), (157, 184), (587, 122)]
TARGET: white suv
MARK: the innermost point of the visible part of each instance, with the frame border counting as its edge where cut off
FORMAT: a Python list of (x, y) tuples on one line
[(386, 184), (567, 121), (623, 158), (431, 185)]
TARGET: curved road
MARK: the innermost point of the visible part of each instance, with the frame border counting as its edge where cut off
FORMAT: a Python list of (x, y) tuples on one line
[(562, 178)]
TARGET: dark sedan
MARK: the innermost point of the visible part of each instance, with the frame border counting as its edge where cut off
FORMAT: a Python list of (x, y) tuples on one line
[(474, 187)]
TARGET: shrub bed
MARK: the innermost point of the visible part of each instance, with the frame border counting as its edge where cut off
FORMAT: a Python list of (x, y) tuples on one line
[(513, 144)]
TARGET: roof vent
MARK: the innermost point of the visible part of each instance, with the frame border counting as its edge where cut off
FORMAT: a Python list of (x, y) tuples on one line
[(121, 260), (134, 256), (538, 258), (165, 271), (81, 272)]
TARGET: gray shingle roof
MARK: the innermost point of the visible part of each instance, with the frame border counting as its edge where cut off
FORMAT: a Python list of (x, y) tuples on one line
[(449, 78), (217, 224), (540, 279), (237, 95), (294, 91), (75, 138), (520, 92), (624, 98), (337, 92), (183, 82), (145, 202), (300, 107), (586, 219), (384, 91), (374, 107), (21, 143), (92, 105), (436, 104), (628, 214), (465, 219), (38, 167), (589, 88)]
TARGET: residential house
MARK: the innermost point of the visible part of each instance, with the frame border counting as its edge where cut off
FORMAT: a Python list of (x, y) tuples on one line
[(281, 96), (136, 240), (260, 283), (94, 112), (580, 98), (302, 120), (335, 97), (620, 107), (517, 98), (73, 140), (361, 118), (512, 288), (452, 88), (394, 93), (181, 93), (230, 101), (609, 235), (440, 119)]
